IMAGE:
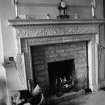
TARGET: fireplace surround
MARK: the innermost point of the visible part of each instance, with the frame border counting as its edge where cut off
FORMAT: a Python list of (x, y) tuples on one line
[(67, 46), (59, 60)]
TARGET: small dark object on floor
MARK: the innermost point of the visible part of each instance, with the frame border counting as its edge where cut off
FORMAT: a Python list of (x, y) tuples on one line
[(103, 88), (58, 94), (88, 90)]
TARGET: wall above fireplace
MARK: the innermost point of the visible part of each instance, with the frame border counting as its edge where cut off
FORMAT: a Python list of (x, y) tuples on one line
[(74, 39)]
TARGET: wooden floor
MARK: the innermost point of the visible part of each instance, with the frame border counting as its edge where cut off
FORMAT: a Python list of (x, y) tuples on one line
[(90, 99)]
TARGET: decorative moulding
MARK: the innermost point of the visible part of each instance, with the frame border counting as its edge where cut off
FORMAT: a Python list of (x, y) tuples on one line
[(25, 22)]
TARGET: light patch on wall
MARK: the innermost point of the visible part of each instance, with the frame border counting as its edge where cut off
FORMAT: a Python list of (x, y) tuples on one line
[(1, 46), (15, 41), (3, 86), (16, 75)]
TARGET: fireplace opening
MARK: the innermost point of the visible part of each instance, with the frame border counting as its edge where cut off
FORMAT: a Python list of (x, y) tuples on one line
[(61, 76)]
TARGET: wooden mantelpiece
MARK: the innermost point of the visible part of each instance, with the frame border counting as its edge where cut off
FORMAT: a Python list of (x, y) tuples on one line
[(53, 27), (24, 22), (47, 32)]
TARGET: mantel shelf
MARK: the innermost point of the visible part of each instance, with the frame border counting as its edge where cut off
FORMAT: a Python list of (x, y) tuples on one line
[(26, 22)]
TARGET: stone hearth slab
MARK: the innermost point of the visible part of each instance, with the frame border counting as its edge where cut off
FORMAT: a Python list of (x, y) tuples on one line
[(67, 96)]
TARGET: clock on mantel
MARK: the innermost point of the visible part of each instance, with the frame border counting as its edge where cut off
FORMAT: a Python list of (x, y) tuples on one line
[(62, 7)]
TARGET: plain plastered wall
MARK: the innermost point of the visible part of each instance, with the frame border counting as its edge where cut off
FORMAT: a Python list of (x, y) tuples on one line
[(9, 42), (1, 45)]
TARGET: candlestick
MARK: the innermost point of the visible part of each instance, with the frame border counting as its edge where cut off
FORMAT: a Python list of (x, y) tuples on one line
[(93, 4), (15, 4), (93, 12)]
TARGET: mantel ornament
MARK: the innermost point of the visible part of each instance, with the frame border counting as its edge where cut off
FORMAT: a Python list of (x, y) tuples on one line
[(15, 4), (93, 6), (62, 7)]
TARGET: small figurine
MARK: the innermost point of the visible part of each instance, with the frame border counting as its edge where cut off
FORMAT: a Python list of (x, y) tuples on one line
[(48, 16)]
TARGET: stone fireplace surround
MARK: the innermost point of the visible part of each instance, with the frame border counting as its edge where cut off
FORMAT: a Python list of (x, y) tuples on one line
[(44, 54), (44, 41)]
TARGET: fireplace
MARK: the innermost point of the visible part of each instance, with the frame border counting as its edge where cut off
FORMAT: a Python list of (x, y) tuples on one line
[(52, 44), (64, 62), (61, 76)]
